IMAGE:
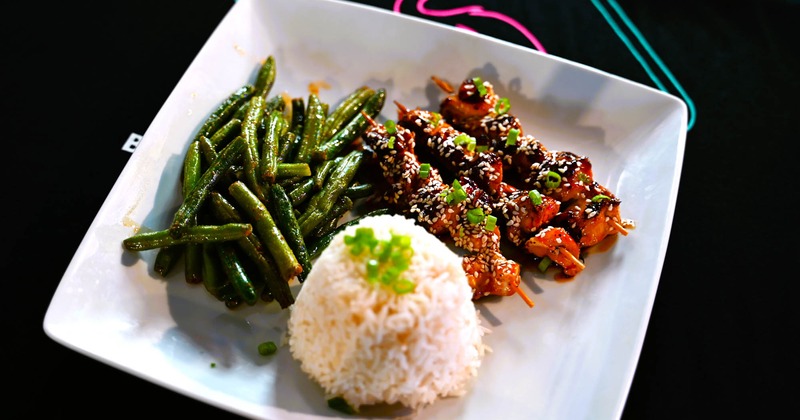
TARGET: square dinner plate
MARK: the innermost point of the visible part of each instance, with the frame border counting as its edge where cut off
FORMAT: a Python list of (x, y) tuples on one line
[(572, 356)]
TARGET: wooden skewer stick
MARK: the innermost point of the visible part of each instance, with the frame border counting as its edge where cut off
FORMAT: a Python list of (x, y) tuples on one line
[(573, 258), (443, 85), (533, 242), (618, 227), (522, 294)]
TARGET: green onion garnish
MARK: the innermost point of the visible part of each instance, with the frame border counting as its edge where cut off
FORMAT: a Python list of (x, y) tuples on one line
[(363, 239), (536, 197), (478, 82), (491, 223), (481, 149), (582, 177), (387, 259), (475, 215), (436, 118), (457, 195), (502, 106), (424, 170), (512, 137), (553, 179), (390, 143), (391, 127), (465, 140), (544, 263), (403, 286), (599, 197)]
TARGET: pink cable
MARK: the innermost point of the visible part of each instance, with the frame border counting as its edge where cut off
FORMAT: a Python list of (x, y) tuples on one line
[(473, 10)]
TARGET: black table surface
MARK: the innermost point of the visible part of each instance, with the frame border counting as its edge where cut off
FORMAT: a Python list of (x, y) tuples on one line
[(79, 79)]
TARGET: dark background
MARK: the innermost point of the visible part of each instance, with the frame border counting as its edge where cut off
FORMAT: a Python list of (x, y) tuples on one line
[(78, 79)]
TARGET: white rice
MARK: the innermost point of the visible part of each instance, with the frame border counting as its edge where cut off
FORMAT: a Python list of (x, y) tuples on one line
[(368, 344)]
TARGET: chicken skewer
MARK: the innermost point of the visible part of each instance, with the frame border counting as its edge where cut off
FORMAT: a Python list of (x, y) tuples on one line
[(524, 217), (461, 210), (590, 212)]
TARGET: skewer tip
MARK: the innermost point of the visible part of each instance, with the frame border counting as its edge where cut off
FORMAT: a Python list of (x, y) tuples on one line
[(619, 228), (522, 294)]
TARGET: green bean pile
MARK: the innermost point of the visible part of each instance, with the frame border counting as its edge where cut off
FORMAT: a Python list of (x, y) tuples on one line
[(265, 183)]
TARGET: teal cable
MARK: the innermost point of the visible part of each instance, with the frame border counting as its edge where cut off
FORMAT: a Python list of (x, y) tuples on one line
[(603, 11)]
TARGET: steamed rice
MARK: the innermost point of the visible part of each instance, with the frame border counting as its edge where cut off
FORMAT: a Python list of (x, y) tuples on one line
[(368, 344)]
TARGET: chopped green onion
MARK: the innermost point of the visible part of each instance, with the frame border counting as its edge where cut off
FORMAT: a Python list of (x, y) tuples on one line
[(491, 223), (536, 197), (512, 137), (502, 106), (424, 170), (372, 269), (582, 177), (479, 85), (553, 180), (403, 286), (436, 118), (465, 139), (457, 195), (364, 238), (391, 127), (475, 215), (544, 264), (481, 149), (390, 143), (599, 197), (267, 348), (387, 259)]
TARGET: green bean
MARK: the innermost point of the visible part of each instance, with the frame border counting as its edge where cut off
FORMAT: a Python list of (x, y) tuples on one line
[(192, 234), (323, 169), (287, 223), (192, 167), (286, 146), (214, 278), (346, 111), (359, 191), (192, 170), (342, 205), (301, 191), (291, 170), (312, 127), (207, 148), (356, 127), (191, 204), (250, 174), (321, 203), (298, 117), (227, 132), (241, 111), (251, 121), (265, 77), (275, 103), (166, 258), (316, 246), (226, 212), (268, 231), (234, 270), (268, 165), (224, 111)]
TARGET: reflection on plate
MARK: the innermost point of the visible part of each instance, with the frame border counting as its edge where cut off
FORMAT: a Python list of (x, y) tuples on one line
[(572, 356)]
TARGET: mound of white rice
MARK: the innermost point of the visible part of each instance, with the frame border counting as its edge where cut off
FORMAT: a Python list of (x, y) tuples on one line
[(368, 344)]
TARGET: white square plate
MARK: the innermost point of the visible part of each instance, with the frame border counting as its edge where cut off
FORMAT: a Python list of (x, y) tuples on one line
[(572, 356)]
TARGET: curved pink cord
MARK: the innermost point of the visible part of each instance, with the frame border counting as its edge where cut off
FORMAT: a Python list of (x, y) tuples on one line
[(473, 10)]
